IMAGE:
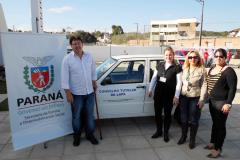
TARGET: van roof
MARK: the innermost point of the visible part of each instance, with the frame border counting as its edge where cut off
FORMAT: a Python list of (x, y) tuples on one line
[(143, 56)]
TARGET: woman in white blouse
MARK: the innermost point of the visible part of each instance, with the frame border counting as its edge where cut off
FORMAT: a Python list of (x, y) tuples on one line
[(167, 82)]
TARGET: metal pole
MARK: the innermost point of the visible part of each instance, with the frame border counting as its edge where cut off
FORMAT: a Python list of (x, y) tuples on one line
[(137, 33), (110, 49), (98, 119), (200, 36), (146, 30)]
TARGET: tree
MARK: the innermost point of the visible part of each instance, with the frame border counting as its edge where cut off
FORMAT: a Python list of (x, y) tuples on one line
[(213, 33), (86, 36), (116, 30), (98, 34)]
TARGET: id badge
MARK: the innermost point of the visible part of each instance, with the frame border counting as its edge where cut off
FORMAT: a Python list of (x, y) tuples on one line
[(162, 79)]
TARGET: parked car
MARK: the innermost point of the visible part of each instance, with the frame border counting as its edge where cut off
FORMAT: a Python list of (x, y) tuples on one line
[(123, 83), (181, 52)]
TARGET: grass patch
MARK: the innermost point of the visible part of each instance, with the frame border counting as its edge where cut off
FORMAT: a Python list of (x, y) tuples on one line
[(4, 105), (3, 87)]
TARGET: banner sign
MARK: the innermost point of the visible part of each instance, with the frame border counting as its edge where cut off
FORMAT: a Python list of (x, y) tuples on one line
[(37, 105)]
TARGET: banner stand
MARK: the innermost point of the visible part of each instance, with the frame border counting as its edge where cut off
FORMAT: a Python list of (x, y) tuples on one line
[(38, 109)]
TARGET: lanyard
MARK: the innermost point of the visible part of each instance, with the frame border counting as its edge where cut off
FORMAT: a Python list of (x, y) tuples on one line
[(188, 73)]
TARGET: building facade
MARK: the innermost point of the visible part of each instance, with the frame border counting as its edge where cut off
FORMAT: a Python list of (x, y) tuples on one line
[(167, 32), (234, 33)]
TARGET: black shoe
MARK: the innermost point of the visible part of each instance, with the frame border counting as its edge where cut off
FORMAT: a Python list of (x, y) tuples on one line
[(193, 132), (157, 135), (166, 137), (182, 140), (184, 134), (92, 139), (192, 144), (76, 140)]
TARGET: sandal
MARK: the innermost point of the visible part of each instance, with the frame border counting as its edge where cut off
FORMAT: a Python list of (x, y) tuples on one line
[(214, 154), (209, 147)]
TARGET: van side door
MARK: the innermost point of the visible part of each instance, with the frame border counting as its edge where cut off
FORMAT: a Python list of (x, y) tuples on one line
[(121, 93), (149, 103)]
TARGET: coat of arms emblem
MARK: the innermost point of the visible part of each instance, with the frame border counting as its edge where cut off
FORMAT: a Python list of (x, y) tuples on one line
[(42, 76)]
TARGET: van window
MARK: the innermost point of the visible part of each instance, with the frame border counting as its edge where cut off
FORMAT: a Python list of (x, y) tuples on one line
[(102, 68), (153, 67), (127, 72)]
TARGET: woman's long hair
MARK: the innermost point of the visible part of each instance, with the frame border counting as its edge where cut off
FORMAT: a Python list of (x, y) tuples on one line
[(199, 63)]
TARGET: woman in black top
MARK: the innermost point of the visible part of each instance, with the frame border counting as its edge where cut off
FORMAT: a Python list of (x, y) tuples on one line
[(167, 79), (221, 87)]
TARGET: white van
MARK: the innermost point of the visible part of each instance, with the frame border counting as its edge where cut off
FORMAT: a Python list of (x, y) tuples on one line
[(123, 83)]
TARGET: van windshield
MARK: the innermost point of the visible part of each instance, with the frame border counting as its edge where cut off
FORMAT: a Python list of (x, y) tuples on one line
[(102, 68)]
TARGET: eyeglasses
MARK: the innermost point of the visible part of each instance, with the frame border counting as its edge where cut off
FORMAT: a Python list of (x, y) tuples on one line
[(193, 57), (218, 57)]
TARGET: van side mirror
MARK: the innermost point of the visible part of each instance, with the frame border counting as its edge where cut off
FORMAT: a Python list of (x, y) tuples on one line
[(106, 81)]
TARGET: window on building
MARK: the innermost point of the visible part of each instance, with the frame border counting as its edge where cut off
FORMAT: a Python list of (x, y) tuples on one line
[(171, 33), (172, 26), (182, 33), (155, 33), (163, 26), (155, 26), (184, 24)]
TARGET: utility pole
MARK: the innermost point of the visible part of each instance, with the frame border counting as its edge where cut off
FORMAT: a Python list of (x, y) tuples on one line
[(137, 33), (144, 29), (200, 35)]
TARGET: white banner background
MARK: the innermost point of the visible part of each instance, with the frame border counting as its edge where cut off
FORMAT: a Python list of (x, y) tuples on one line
[(33, 123)]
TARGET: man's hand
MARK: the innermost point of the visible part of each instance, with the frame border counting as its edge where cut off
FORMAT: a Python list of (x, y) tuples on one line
[(69, 96)]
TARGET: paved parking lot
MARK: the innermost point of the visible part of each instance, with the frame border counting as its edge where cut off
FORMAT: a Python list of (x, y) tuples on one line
[(127, 139)]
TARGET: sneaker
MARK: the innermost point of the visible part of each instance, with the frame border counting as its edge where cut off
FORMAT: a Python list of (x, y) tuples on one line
[(92, 139)]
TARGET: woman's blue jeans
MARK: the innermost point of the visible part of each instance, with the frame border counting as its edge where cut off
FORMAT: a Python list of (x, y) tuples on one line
[(83, 103), (190, 112)]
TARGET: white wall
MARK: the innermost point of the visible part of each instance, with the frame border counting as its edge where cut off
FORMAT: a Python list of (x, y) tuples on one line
[(100, 53)]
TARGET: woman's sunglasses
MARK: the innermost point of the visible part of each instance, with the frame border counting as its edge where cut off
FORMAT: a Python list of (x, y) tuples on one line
[(218, 57), (193, 57)]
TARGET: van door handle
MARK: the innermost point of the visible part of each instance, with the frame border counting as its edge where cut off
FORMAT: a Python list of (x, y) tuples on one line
[(140, 86)]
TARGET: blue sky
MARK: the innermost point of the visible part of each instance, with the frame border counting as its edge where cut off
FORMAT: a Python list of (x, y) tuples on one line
[(90, 15)]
